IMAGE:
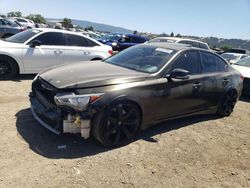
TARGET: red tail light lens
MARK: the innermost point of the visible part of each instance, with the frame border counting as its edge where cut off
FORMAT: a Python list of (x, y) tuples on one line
[(110, 52), (241, 77)]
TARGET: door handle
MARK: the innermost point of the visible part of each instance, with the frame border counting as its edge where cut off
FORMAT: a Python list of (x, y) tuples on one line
[(225, 81), (197, 85), (58, 51)]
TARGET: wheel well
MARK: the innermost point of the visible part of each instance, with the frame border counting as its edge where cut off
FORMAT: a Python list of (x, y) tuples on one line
[(96, 59), (14, 61)]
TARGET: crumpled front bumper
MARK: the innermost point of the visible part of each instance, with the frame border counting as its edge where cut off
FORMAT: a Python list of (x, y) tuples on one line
[(46, 113)]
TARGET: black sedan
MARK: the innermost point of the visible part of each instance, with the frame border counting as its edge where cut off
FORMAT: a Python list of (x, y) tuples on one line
[(143, 85)]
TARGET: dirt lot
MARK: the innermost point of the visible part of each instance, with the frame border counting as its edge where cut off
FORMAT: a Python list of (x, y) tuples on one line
[(193, 152)]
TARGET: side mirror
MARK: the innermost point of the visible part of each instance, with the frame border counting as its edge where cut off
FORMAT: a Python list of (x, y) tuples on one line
[(35, 43), (181, 74)]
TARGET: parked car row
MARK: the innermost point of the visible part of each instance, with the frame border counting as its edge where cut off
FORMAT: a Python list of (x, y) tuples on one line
[(9, 27), (119, 41), (35, 50)]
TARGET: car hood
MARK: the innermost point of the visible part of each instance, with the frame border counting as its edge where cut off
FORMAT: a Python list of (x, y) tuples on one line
[(245, 71), (90, 74)]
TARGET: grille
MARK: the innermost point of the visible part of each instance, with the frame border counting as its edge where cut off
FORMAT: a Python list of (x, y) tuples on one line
[(246, 87), (47, 90)]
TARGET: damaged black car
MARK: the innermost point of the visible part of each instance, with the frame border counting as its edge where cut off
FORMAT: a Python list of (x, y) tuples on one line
[(113, 99)]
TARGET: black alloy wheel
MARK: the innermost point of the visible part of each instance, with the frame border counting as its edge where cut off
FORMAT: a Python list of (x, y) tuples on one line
[(228, 103), (8, 69), (118, 124)]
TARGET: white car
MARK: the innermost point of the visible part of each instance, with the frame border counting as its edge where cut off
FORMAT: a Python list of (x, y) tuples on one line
[(35, 50), (243, 66), (25, 22), (233, 57), (194, 43)]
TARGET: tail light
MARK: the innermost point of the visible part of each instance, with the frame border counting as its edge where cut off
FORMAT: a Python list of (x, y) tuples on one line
[(110, 52), (23, 29), (241, 77)]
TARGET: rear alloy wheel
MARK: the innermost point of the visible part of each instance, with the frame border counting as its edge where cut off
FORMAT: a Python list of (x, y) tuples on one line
[(8, 69), (228, 103), (118, 124)]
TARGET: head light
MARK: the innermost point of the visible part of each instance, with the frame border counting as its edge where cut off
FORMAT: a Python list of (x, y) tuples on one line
[(77, 102)]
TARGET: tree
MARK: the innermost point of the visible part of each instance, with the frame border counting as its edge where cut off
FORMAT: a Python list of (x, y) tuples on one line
[(178, 35), (67, 23), (172, 34), (135, 32), (14, 14), (90, 28), (225, 47), (37, 18)]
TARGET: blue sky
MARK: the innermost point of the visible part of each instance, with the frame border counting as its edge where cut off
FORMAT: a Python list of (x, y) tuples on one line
[(219, 18)]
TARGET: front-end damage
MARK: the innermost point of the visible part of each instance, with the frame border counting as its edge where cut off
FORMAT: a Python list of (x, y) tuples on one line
[(62, 111)]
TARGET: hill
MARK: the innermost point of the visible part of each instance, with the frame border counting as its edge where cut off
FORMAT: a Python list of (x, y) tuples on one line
[(96, 26)]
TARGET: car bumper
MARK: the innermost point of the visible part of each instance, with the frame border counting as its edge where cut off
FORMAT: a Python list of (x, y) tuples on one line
[(52, 117)]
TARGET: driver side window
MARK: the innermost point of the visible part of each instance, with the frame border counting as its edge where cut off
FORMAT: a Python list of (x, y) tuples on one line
[(189, 61)]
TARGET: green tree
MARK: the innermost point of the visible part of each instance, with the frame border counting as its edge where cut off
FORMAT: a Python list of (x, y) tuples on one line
[(67, 23), (90, 28), (172, 34), (178, 35), (37, 18), (225, 47), (14, 14)]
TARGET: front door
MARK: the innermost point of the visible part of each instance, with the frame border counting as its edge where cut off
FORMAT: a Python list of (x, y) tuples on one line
[(49, 54), (180, 97)]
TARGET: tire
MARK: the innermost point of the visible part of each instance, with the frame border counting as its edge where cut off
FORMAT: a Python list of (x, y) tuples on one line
[(117, 124), (8, 68), (227, 104)]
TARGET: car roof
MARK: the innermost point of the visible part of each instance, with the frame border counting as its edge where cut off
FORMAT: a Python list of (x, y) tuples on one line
[(231, 53), (180, 39), (173, 46)]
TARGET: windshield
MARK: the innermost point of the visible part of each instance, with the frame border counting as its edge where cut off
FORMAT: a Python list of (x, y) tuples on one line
[(111, 37), (229, 56), (244, 62), (148, 59), (23, 36)]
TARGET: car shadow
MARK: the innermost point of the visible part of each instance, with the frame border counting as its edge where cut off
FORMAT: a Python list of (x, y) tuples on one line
[(245, 98), (22, 77), (69, 146)]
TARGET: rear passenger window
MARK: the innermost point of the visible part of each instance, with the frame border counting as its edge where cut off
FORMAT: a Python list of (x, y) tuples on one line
[(223, 66), (51, 38), (209, 63), (189, 61), (74, 40), (138, 40)]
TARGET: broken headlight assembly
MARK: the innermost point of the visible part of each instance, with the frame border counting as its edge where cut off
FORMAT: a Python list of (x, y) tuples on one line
[(77, 102)]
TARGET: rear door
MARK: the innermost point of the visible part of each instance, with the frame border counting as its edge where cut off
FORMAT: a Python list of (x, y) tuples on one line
[(216, 78), (179, 97), (49, 54), (79, 48)]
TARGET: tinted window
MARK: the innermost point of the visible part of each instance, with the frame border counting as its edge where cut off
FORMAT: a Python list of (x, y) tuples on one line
[(189, 61), (51, 38), (209, 63), (23, 36), (138, 40), (223, 66), (75, 40), (193, 43)]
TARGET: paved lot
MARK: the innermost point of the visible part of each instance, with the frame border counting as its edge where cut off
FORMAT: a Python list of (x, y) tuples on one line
[(201, 151)]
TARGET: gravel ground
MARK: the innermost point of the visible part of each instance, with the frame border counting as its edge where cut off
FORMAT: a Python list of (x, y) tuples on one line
[(201, 151)]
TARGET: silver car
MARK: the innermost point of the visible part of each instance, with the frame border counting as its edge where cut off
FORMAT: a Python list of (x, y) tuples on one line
[(9, 27)]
